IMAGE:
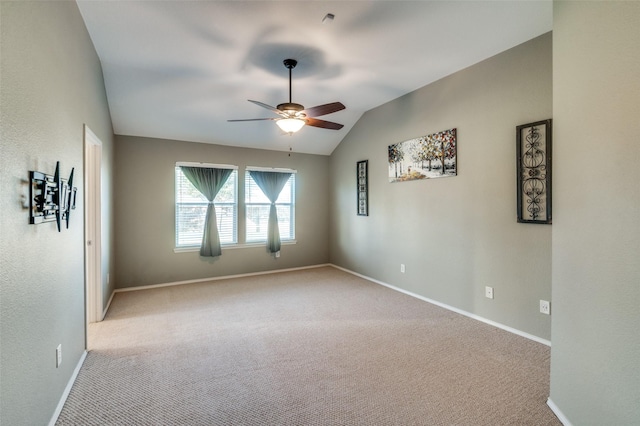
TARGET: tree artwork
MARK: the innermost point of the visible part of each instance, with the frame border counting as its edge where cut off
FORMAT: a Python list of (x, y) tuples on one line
[(395, 157), (426, 157)]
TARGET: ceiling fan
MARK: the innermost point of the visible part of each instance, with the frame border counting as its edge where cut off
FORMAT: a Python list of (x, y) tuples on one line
[(294, 116)]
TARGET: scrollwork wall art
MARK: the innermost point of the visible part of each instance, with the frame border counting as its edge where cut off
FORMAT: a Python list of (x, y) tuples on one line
[(362, 175), (533, 154)]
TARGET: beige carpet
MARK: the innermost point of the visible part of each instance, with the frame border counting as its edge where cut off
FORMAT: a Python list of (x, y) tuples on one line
[(312, 347)]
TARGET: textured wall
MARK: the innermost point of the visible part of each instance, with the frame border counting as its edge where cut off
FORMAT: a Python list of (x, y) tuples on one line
[(145, 212), (51, 85), (595, 357), (455, 235)]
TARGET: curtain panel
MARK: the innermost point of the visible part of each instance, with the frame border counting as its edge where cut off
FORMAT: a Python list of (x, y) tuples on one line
[(271, 184), (208, 181)]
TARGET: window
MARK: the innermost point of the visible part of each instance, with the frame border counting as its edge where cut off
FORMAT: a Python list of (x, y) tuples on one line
[(191, 209), (257, 210)]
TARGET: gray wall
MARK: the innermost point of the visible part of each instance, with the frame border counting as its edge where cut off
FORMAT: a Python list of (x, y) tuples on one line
[(455, 235), (51, 85), (145, 212), (595, 357)]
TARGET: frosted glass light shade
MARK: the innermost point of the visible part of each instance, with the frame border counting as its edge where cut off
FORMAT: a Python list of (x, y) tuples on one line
[(290, 125)]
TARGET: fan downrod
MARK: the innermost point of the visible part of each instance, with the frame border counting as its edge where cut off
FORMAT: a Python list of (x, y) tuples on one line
[(290, 107)]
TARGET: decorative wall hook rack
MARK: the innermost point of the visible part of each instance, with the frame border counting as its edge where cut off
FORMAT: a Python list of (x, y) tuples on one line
[(51, 197)]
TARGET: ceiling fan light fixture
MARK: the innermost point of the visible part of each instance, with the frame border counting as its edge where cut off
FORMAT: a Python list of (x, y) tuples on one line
[(295, 116), (290, 125)]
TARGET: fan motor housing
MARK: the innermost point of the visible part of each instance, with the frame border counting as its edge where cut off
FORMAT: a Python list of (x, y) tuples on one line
[(291, 108)]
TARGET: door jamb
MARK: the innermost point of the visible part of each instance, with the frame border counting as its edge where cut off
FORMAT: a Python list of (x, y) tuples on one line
[(93, 226)]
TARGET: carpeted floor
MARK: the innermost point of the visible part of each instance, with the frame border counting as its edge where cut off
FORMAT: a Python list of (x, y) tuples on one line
[(311, 347)]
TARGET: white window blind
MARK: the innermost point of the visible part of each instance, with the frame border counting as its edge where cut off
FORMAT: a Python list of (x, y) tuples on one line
[(257, 210), (191, 209)]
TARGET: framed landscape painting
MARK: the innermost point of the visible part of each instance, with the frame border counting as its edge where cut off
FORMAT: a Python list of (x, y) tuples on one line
[(427, 157)]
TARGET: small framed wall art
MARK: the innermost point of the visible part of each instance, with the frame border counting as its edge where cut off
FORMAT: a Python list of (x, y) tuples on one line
[(533, 156), (362, 171)]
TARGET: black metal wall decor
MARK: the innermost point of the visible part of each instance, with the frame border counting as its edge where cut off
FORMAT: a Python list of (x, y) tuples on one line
[(363, 187), (533, 154), (51, 197)]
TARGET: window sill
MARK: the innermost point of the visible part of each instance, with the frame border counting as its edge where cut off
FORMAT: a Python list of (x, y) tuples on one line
[(232, 246)]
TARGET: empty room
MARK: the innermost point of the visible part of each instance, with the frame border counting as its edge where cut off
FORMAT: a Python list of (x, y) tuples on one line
[(319, 212)]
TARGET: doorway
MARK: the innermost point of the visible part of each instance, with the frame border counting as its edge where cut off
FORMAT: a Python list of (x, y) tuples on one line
[(92, 226)]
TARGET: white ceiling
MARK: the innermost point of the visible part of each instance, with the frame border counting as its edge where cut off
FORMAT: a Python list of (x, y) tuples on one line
[(180, 69)]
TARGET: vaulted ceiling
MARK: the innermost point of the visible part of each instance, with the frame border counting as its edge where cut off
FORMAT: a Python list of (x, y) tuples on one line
[(180, 69)]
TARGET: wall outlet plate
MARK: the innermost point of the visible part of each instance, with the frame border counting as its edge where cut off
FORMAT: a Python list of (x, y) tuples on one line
[(488, 292), (545, 307), (402, 268)]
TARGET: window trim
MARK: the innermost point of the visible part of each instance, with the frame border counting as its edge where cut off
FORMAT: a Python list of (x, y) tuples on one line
[(269, 169), (241, 206), (206, 165), (182, 248), (292, 204), (234, 246)]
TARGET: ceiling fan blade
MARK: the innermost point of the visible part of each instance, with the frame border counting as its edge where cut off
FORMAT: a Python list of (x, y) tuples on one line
[(319, 110), (269, 107), (254, 119), (323, 124)]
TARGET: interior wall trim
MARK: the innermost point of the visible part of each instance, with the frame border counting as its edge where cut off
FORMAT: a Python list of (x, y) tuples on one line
[(559, 414), (67, 390), (106, 308), (451, 308)]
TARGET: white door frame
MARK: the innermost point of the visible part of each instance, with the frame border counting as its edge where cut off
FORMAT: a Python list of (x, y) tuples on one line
[(92, 226)]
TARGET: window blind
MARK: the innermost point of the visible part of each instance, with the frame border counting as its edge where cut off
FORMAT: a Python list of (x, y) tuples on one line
[(191, 208), (257, 209)]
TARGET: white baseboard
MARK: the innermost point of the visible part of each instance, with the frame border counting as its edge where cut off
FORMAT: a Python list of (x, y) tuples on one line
[(563, 419), (451, 308), (106, 308), (65, 394), (202, 280)]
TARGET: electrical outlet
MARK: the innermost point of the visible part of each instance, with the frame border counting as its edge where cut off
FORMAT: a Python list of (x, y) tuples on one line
[(402, 268), (488, 292), (59, 355), (278, 253), (545, 307)]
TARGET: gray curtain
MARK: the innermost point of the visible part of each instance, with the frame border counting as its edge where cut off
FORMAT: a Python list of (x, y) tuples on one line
[(271, 183), (208, 181)]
